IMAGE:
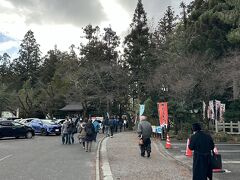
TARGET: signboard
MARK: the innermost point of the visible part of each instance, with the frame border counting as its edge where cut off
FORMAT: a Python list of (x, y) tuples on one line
[(158, 129), (141, 110), (163, 113), (154, 129)]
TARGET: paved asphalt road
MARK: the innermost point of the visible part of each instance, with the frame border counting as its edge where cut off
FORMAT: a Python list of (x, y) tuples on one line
[(45, 158), (230, 157)]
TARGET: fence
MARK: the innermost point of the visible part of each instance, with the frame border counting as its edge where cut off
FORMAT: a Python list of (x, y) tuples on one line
[(230, 128)]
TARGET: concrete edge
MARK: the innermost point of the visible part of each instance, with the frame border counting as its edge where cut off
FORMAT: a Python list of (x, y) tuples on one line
[(98, 159), (174, 158), (106, 169)]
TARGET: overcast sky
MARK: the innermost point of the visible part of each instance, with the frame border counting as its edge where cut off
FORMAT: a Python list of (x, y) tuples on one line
[(60, 22)]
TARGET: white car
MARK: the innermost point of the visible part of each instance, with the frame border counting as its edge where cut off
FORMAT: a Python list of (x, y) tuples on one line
[(27, 120)]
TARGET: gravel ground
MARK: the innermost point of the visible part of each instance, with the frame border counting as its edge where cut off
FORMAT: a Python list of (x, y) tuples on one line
[(127, 164)]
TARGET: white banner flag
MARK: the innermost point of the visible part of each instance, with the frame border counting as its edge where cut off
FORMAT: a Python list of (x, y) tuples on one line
[(204, 109), (217, 109), (222, 111), (211, 114)]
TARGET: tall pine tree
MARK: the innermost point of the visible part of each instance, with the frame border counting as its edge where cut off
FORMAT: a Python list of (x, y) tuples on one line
[(136, 52), (28, 63)]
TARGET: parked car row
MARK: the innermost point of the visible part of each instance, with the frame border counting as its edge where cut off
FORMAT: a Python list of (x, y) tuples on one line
[(28, 127), (15, 129), (45, 126)]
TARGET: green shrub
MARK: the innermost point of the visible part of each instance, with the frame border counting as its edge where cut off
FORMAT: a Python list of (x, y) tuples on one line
[(182, 135), (220, 137)]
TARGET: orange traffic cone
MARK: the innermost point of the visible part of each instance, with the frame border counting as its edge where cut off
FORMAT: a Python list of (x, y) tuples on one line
[(188, 151), (168, 143), (220, 169)]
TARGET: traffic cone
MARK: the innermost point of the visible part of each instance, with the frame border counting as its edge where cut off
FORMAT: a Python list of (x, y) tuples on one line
[(188, 151), (217, 170), (168, 143)]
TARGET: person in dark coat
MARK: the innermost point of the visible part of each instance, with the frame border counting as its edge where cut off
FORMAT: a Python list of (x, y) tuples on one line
[(90, 131), (71, 128), (112, 125), (106, 126), (202, 144), (120, 124)]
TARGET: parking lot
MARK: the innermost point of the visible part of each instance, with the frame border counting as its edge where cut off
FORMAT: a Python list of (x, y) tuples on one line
[(45, 158)]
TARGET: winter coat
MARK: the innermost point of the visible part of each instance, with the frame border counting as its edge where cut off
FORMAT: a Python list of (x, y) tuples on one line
[(144, 129), (111, 122), (120, 122), (89, 128), (96, 125), (81, 130), (71, 128), (202, 145), (106, 122), (65, 128)]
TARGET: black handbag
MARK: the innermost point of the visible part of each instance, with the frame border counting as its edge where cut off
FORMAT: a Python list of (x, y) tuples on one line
[(216, 161)]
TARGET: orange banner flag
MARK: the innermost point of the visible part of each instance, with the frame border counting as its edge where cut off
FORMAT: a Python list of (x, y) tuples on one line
[(163, 113)]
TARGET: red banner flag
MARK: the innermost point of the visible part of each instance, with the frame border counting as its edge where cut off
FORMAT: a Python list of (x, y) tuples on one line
[(163, 113)]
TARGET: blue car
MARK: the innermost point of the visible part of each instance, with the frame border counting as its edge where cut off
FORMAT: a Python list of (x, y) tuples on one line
[(45, 127)]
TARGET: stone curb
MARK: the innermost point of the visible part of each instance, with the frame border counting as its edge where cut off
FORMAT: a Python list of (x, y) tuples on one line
[(106, 170), (98, 159), (174, 158)]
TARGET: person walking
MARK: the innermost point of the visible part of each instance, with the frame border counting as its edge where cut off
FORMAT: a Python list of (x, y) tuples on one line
[(106, 126), (82, 133), (112, 125), (65, 132), (120, 124), (103, 127), (89, 128), (96, 125), (202, 144), (71, 130), (124, 123), (144, 133), (116, 123)]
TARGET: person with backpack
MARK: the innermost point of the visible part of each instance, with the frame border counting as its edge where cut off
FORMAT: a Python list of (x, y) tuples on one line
[(90, 130), (96, 125)]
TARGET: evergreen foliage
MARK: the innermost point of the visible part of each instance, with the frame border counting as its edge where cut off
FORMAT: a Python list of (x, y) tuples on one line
[(183, 61)]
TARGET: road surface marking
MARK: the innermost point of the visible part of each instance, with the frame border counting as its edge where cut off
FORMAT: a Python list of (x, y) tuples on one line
[(6, 157), (227, 144), (227, 171), (221, 151), (184, 144), (231, 162)]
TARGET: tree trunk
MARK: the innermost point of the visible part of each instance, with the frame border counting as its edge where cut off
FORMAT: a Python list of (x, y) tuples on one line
[(236, 86)]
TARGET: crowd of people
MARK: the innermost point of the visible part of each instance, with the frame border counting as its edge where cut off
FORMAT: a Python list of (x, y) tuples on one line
[(114, 124), (88, 129)]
